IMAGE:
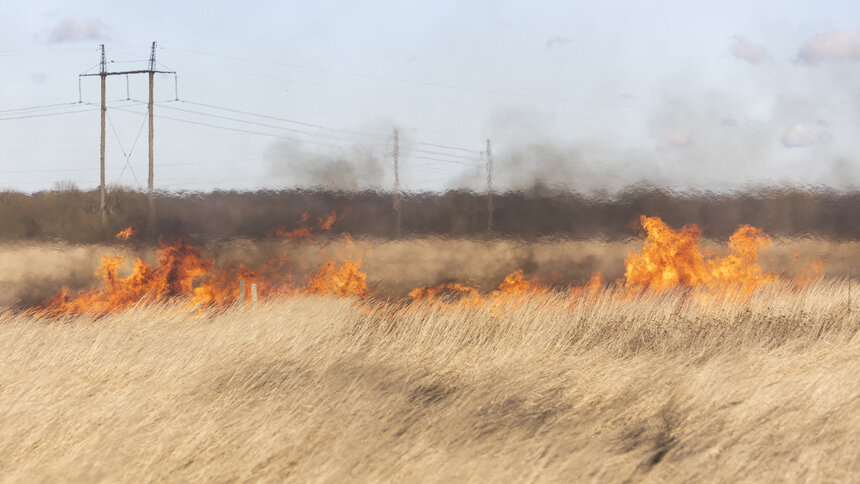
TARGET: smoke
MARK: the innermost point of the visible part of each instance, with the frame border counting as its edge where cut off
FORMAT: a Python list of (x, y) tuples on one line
[(837, 46), (352, 168), (747, 50), (72, 30), (689, 138), (777, 124)]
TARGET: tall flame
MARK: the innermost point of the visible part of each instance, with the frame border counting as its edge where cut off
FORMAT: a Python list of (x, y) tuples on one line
[(669, 259), (347, 279), (182, 272), (179, 264)]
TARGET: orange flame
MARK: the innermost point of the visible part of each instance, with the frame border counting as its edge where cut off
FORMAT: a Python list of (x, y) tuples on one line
[(179, 264), (514, 285), (344, 280), (452, 289), (126, 234), (326, 222), (591, 288), (303, 232), (183, 273), (810, 271), (669, 259)]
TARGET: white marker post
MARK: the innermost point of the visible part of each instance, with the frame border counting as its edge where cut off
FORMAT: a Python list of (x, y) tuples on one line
[(254, 296)]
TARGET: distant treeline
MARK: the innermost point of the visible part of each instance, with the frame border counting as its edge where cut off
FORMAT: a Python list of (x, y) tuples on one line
[(72, 215)]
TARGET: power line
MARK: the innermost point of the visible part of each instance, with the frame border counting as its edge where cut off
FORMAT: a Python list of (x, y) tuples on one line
[(275, 118), (38, 108), (255, 123), (161, 116), (304, 123), (444, 161), (406, 81), (416, 98), (239, 120), (239, 130), (447, 147), (441, 153), (48, 170), (36, 51), (43, 115), (355, 89)]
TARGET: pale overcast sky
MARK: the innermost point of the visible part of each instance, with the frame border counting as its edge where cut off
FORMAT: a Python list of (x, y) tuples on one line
[(589, 95)]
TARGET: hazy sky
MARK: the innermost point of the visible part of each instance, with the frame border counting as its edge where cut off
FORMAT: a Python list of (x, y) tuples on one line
[(589, 95)]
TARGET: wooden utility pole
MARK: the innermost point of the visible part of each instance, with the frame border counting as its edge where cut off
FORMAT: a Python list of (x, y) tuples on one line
[(102, 201), (397, 207), (150, 196), (489, 188), (103, 73)]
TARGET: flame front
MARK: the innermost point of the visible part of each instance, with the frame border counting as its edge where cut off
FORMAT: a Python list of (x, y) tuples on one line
[(669, 259), (179, 265), (513, 286), (183, 273)]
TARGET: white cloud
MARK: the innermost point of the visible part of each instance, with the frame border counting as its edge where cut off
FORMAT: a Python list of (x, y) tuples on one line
[(744, 49), (71, 30), (838, 46), (801, 135)]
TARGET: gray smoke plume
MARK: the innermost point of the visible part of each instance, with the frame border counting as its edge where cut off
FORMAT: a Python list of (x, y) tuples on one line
[(352, 168)]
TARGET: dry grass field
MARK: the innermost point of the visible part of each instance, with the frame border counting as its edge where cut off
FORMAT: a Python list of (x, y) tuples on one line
[(526, 384), (680, 386)]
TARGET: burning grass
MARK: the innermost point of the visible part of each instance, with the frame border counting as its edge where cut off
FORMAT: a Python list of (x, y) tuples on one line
[(695, 365), (541, 386), (668, 259)]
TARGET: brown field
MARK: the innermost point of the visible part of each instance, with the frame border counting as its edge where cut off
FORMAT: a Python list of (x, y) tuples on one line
[(318, 389), (680, 386)]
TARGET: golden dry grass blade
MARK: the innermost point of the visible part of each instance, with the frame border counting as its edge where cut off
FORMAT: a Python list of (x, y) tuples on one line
[(675, 386)]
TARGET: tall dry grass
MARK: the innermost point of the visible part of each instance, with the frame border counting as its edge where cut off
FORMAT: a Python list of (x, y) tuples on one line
[(672, 387)]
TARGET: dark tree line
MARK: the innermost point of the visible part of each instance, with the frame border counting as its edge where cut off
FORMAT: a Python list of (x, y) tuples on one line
[(72, 215)]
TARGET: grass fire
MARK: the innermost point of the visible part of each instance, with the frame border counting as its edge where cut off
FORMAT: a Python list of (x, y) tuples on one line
[(669, 357), (668, 259), (478, 242)]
